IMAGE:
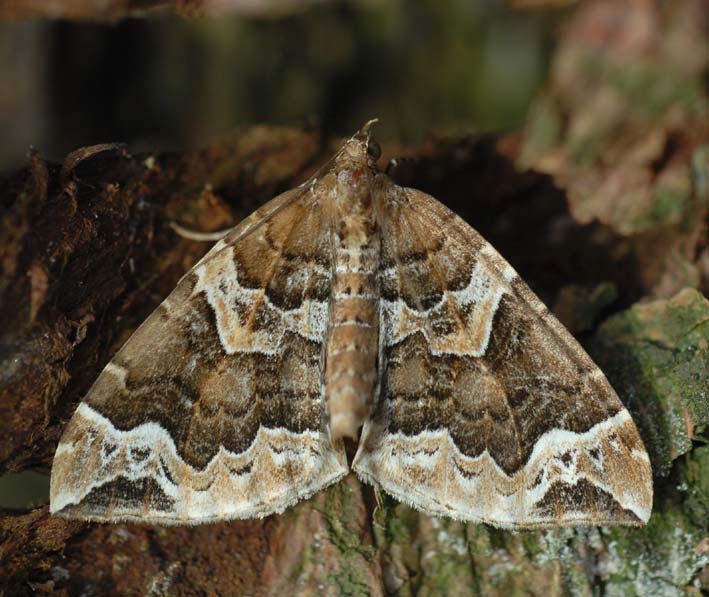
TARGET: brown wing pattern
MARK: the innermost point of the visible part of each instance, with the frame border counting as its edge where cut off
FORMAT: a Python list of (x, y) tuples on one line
[(214, 408), (488, 409), (485, 408)]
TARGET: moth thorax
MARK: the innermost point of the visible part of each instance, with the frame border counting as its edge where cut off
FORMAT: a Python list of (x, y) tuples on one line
[(353, 192)]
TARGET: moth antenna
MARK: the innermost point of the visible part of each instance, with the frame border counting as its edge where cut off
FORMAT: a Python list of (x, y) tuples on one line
[(367, 125), (198, 236)]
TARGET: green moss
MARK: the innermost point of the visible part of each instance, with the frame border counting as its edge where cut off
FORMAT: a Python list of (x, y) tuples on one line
[(396, 531), (671, 202), (655, 356), (695, 485), (344, 531), (349, 583), (445, 560), (660, 559), (327, 544)]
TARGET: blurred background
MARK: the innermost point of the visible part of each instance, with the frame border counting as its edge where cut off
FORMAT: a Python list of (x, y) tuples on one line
[(169, 82)]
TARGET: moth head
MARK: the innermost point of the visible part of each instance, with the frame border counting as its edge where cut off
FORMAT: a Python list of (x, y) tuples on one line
[(362, 148)]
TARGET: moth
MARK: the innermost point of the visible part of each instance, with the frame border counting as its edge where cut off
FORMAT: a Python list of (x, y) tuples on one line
[(351, 307)]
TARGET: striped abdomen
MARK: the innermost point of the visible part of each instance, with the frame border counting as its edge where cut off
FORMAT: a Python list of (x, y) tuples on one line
[(351, 356)]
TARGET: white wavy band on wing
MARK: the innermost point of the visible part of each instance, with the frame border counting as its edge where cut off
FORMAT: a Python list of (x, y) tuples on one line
[(308, 320), (279, 468), (480, 299), (429, 472)]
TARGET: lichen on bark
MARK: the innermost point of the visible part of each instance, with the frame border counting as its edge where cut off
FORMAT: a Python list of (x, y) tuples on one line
[(656, 355)]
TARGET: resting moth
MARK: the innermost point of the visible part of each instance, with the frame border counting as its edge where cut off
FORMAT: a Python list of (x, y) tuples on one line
[(352, 307)]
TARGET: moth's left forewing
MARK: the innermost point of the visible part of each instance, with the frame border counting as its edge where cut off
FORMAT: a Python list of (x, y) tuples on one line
[(214, 408), (488, 409)]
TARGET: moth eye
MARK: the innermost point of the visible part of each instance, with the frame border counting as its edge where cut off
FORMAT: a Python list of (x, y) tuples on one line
[(374, 151)]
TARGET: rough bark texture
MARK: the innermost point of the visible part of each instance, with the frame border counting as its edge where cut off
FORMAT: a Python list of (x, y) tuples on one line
[(620, 253)]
